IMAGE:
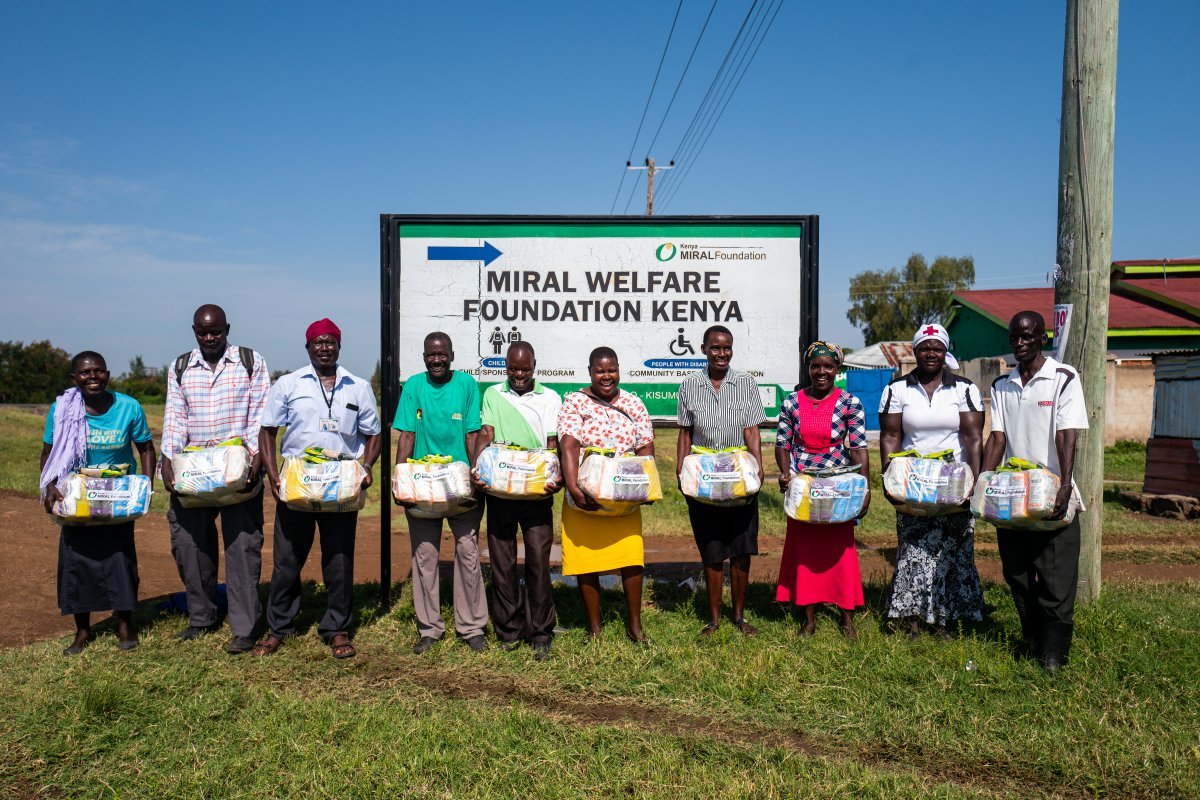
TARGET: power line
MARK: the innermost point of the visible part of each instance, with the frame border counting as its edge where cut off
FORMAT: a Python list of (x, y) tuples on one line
[(709, 114), (675, 185), (733, 45), (632, 189), (686, 66), (646, 108)]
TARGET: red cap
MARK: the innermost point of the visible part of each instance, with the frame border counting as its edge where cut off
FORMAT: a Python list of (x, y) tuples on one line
[(322, 327)]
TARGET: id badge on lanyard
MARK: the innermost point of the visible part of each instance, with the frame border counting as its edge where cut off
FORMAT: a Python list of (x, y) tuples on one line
[(329, 424)]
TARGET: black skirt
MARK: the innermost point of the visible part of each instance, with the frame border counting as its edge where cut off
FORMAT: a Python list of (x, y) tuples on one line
[(97, 569), (723, 533)]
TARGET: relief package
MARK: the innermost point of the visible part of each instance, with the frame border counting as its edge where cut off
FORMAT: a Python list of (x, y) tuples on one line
[(315, 483), (726, 478), (928, 487), (213, 476), (619, 483), (102, 501), (517, 473), (1019, 498), (439, 486), (825, 499)]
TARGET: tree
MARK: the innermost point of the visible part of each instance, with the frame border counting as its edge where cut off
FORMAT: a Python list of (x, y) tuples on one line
[(144, 384), (377, 384), (33, 373), (888, 305)]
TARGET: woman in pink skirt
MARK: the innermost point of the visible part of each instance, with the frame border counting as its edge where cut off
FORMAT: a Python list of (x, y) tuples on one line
[(821, 427)]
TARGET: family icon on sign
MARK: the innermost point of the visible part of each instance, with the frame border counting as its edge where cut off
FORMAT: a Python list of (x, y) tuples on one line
[(499, 338)]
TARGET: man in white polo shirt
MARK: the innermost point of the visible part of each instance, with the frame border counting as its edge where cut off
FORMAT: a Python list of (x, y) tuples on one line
[(520, 411), (1036, 410)]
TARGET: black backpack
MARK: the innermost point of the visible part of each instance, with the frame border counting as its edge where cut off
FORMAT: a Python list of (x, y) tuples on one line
[(246, 354)]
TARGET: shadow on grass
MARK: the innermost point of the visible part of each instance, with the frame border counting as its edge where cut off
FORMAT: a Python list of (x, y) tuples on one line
[(664, 590)]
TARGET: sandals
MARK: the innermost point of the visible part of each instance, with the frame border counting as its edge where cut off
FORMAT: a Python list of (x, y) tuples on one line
[(745, 627), (709, 629), (341, 647), (268, 646), (642, 639)]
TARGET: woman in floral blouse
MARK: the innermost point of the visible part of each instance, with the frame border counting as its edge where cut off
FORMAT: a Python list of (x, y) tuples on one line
[(601, 415), (821, 427)]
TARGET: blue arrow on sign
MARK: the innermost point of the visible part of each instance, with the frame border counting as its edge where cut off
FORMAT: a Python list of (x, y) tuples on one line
[(487, 254)]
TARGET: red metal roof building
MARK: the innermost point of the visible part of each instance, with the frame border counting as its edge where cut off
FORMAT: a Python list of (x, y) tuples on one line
[(1153, 306)]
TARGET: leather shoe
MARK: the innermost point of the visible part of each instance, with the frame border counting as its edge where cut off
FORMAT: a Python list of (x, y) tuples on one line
[(1056, 645), (477, 643), (195, 632), (541, 651), (239, 644), (423, 644)]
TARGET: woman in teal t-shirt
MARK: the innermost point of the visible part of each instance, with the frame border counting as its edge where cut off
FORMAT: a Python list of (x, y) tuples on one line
[(97, 566)]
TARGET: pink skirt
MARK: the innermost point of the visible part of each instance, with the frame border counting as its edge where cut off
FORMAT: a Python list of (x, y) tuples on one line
[(820, 565)]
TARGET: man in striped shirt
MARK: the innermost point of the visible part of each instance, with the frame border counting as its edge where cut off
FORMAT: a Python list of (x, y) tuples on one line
[(215, 393), (720, 407)]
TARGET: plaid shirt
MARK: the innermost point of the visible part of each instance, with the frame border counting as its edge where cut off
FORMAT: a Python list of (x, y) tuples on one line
[(848, 431), (212, 405)]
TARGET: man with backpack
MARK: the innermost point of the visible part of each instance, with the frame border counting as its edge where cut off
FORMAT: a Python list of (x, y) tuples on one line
[(216, 393)]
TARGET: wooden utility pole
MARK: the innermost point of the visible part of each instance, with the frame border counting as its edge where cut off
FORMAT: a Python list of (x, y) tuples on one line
[(650, 170), (1085, 217)]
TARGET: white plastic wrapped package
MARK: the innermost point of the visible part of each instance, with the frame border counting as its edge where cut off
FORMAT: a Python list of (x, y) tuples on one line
[(438, 489), (928, 487), (517, 474), (323, 486), (213, 476), (825, 500), (619, 484), (1019, 499), (102, 501), (727, 478)]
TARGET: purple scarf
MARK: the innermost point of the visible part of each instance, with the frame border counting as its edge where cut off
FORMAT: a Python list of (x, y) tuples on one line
[(69, 450)]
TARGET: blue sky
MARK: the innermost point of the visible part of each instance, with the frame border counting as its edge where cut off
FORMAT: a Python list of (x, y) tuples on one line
[(155, 156)]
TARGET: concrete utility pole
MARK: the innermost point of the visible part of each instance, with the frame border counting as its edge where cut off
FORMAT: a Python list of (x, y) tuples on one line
[(650, 170), (1085, 218)]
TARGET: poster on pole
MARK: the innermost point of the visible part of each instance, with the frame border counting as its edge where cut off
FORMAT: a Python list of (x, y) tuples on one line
[(647, 287), (1062, 329)]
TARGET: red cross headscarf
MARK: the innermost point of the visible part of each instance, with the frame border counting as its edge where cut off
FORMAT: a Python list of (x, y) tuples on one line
[(932, 330)]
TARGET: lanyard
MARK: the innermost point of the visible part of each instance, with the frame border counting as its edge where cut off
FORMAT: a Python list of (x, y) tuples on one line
[(328, 400)]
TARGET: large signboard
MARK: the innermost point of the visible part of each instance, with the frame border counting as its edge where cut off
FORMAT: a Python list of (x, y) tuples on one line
[(647, 287)]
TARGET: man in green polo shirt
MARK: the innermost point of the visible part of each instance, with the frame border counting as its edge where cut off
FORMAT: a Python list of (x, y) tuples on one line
[(438, 414), (521, 411)]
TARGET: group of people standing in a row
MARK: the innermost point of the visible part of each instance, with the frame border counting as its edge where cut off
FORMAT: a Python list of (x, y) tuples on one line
[(219, 391)]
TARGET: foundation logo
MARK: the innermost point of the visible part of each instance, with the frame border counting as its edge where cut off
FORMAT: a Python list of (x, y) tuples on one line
[(665, 252)]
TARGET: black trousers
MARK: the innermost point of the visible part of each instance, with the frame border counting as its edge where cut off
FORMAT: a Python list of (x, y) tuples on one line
[(292, 542), (515, 617), (1042, 569)]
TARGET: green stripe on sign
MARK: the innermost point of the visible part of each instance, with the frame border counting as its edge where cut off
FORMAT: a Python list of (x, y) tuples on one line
[(661, 399), (600, 230)]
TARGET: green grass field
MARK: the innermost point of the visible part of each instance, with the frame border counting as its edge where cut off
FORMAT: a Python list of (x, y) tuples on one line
[(772, 717), (776, 716)]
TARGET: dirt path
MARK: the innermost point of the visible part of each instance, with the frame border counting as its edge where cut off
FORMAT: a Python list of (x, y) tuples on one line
[(29, 542)]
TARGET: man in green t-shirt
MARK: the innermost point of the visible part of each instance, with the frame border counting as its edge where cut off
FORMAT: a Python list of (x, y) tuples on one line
[(438, 414)]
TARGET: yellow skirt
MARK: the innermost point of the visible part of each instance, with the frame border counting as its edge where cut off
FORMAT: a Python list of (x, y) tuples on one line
[(593, 543)]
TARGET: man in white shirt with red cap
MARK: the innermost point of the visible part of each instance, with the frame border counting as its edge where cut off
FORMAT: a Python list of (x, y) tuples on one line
[(1036, 411)]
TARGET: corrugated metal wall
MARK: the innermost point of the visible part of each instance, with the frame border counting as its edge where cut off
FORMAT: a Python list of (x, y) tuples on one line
[(1177, 395)]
